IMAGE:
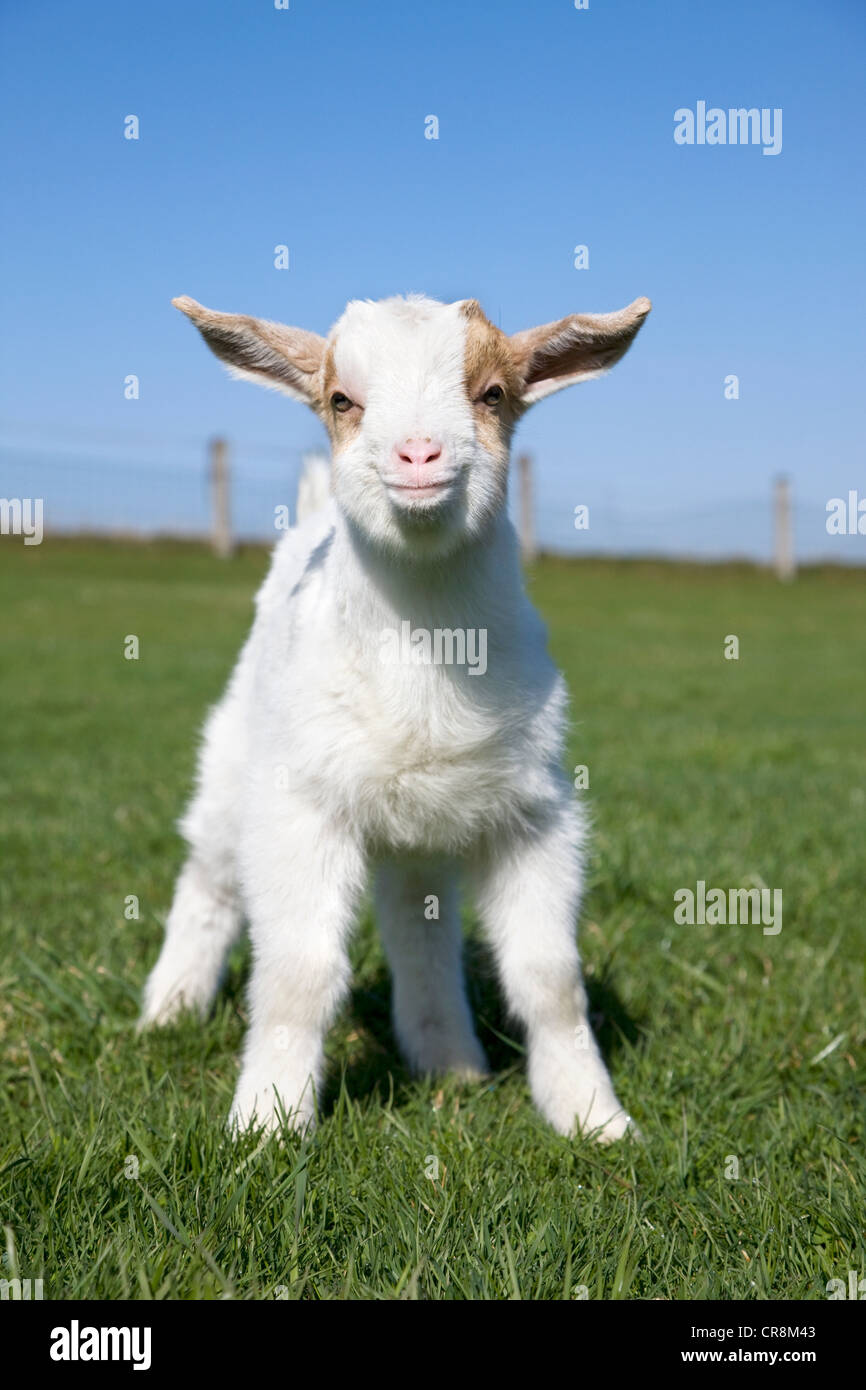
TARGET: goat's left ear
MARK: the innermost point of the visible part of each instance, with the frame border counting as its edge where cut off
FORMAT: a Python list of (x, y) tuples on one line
[(287, 359), (573, 349)]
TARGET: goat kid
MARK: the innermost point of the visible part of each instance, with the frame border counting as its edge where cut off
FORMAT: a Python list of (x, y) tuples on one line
[(324, 759)]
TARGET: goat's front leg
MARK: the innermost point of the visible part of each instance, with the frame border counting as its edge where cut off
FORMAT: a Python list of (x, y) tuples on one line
[(302, 877), (528, 894), (419, 922)]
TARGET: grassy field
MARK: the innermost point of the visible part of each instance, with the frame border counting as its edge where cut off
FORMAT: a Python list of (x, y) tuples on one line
[(733, 1049)]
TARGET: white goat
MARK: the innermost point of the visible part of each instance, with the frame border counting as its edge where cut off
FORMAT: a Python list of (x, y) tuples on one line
[(347, 739)]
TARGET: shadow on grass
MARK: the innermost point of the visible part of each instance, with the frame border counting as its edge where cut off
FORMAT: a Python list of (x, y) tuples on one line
[(374, 1064)]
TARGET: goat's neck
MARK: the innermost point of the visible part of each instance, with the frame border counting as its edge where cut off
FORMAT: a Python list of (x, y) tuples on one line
[(466, 587)]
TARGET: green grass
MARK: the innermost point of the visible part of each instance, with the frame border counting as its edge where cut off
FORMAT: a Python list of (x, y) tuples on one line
[(730, 771)]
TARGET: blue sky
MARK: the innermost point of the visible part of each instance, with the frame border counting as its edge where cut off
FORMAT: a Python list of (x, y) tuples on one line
[(305, 127)]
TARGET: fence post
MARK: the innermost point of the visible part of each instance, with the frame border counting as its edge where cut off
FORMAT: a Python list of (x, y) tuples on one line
[(783, 534), (221, 522), (526, 511)]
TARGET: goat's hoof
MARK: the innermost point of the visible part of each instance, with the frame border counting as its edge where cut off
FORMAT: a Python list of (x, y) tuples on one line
[(622, 1126)]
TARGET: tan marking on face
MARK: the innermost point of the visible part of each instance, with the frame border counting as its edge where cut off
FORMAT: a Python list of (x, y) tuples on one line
[(489, 361), (342, 426)]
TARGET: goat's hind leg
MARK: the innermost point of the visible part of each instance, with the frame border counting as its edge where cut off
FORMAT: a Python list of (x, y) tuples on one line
[(204, 921), (205, 917), (431, 1013)]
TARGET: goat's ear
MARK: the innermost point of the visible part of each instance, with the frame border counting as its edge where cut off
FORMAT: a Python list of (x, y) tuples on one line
[(573, 349), (287, 359)]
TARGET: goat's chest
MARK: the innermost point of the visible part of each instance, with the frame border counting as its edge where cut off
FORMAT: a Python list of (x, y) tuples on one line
[(430, 761)]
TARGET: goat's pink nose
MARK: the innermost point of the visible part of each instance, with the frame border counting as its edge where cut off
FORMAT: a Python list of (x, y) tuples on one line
[(418, 452)]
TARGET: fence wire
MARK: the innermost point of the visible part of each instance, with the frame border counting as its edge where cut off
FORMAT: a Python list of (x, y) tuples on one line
[(163, 488)]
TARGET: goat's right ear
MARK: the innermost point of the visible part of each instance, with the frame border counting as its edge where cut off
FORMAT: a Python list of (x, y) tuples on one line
[(272, 354), (573, 349)]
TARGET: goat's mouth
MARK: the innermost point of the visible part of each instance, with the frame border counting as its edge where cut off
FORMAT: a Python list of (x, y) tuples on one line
[(420, 495)]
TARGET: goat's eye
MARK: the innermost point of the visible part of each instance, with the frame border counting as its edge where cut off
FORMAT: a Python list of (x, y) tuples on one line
[(341, 402), (493, 395)]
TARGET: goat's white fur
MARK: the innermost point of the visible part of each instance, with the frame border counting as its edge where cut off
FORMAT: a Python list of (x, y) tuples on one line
[(321, 762)]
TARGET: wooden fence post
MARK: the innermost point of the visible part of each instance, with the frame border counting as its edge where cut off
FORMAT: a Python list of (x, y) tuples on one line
[(783, 532), (221, 521), (526, 509)]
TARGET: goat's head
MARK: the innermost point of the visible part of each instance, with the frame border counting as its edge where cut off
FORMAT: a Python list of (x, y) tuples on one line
[(420, 400)]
